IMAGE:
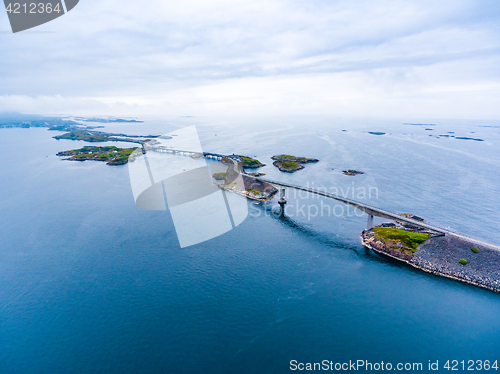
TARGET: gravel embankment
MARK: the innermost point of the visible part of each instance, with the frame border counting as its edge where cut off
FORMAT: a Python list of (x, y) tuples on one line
[(441, 255)]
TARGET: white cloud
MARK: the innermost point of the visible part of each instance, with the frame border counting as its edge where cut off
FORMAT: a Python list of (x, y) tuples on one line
[(280, 57)]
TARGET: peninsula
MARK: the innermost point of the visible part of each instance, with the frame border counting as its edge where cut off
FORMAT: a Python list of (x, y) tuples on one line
[(90, 135), (444, 255), (82, 135), (236, 180), (74, 130), (13, 120), (107, 120)]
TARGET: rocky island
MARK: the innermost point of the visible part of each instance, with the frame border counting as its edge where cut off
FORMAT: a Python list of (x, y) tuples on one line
[(290, 164), (248, 162), (111, 155), (352, 172)]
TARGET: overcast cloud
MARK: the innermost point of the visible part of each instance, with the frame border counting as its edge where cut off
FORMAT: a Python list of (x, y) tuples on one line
[(375, 58)]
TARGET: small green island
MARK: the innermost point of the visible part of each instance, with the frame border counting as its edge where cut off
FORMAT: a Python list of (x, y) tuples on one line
[(249, 162), (111, 155), (290, 164)]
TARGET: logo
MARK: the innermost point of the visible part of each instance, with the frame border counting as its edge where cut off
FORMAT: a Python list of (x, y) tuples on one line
[(173, 171), (26, 14)]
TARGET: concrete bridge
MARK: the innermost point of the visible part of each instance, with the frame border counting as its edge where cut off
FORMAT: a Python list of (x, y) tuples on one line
[(213, 156), (370, 210), (218, 156), (173, 151), (209, 155)]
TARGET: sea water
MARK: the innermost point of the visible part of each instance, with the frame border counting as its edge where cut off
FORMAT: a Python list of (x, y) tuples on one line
[(91, 283)]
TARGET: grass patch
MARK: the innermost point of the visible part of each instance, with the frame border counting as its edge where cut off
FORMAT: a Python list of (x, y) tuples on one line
[(255, 192), (220, 176), (249, 162), (474, 249), (289, 164), (300, 160), (463, 261), (290, 157), (410, 240)]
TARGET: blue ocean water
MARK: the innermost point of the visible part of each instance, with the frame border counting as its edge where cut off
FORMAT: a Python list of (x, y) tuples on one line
[(89, 283)]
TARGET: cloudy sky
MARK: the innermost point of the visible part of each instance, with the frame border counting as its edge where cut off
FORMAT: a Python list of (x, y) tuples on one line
[(382, 58)]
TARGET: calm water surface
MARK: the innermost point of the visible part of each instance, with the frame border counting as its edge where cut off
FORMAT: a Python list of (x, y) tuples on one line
[(89, 283)]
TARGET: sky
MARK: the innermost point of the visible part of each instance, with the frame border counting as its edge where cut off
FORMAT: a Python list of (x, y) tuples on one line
[(418, 59)]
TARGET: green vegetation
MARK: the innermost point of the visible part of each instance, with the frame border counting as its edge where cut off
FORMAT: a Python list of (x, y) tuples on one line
[(82, 135), (292, 158), (255, 192), (24, 121), (113, 155), (463, 261), (286, 156), (220, 176), (249, 162), (409, 240), (474, 249), (289, 164), (300, 160)]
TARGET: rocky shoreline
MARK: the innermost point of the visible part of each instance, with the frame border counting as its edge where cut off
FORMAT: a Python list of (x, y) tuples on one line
[(110, 154), (290, 164), (352, 172), (440, 255), (288, 167), (236, 180)]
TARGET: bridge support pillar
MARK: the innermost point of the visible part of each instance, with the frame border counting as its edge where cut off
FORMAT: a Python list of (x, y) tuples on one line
[(369, 224), (282, 202)]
